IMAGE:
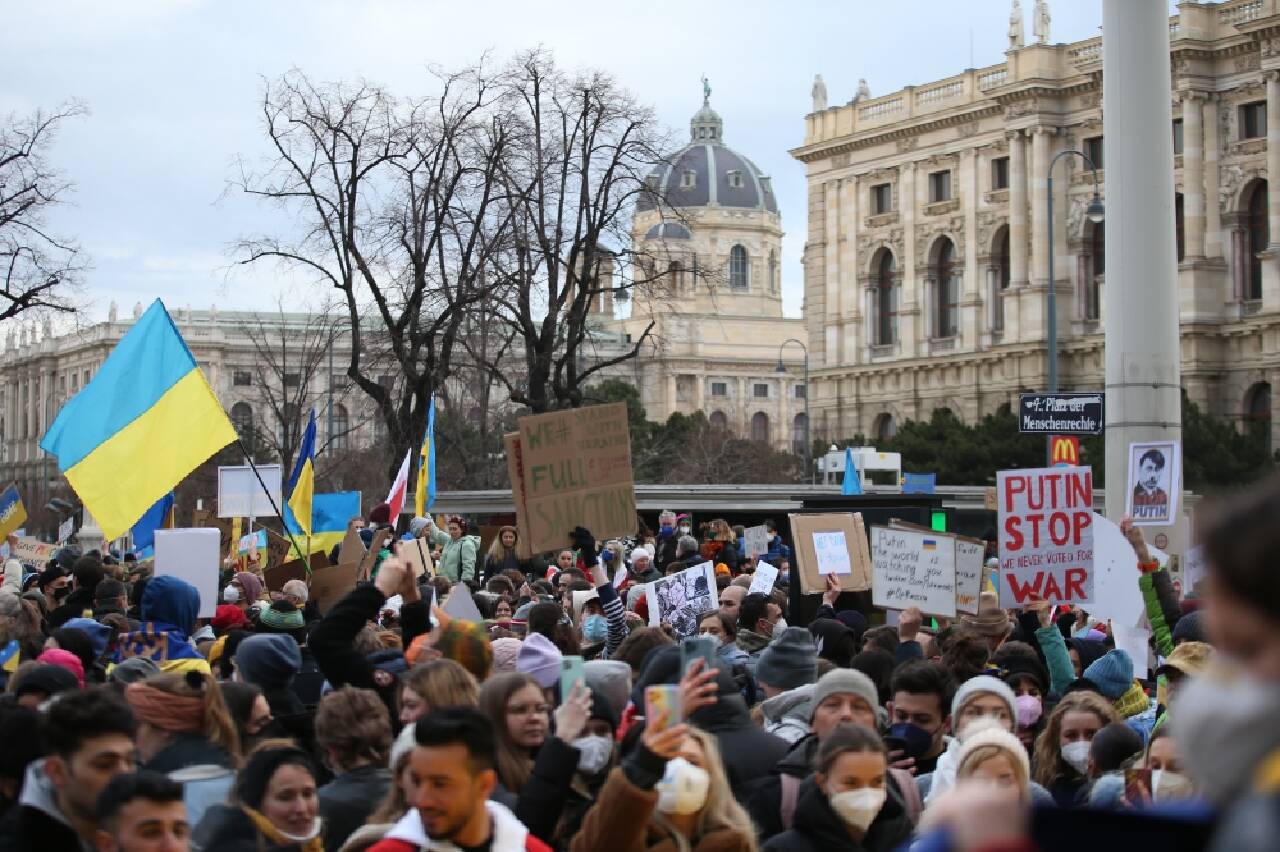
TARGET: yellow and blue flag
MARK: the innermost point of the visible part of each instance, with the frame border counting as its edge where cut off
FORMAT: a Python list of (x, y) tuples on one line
[(425, 494), (330, 514), (145, 421), (144, 531), (13, 514), (302, 482)]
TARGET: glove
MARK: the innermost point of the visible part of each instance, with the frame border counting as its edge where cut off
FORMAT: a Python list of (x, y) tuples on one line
[(585, 543)]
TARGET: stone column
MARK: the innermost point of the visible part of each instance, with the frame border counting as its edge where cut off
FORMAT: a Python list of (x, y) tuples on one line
[(853, 268), (908, 297), (1212, 151), (831, 199), (1017, 209), (1193, 174), (1032, 327), (1271, 257), (970, 322)]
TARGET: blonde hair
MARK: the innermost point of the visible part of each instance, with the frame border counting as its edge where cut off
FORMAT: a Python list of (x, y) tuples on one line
[(441, 683), (217, 725), (1050, 767), (722, 811), (981, 754), (497, 550)]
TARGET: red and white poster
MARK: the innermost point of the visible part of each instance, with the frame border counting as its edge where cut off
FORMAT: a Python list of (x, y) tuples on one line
[(1046, 535)]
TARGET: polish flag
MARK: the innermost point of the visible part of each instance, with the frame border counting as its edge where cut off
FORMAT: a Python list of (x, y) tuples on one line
[(395, 499)]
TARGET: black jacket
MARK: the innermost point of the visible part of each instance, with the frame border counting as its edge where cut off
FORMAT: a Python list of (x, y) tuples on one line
[(347, 801), (493, 567), (226, 828), (189, 750), (73, 606), (543, 796), (25, 828), (817, 828), (748, 752), (763, 799), (665, 550)]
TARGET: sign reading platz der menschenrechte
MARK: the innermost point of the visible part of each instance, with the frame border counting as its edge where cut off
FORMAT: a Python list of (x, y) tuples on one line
[(1061, 413)]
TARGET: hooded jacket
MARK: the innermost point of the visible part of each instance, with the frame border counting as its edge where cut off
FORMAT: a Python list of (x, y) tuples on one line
[(818, 828), (787, 714), (169, 607), (37, 822), (509, 835), (748, 752)]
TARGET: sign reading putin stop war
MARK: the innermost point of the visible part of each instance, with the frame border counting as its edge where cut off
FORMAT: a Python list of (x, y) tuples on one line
[(575, 467), (1046, 535)]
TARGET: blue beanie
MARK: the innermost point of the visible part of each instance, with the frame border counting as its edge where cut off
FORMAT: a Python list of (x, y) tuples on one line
[(1189, 629), (99, 634), (1112, 673), (268, 660)]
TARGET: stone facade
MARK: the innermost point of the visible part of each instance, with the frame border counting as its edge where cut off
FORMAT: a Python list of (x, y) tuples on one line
[(926, 265)]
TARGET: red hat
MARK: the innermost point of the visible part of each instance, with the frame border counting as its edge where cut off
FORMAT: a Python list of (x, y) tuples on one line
[(228, 617)]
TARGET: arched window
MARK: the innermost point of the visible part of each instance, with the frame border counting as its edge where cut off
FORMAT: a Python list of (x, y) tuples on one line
[(242, 420), (799, 433), (719, 421), (1257, 411), (760, 427), (738, 276), (1179, 232), (1097, 270), (341, 425), (886, 299), (885, 427), (946, 289), (1259, 236)]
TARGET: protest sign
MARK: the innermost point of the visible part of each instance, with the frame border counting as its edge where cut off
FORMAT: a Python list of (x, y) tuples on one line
[(1194, 569), (417, 555), (276, 576), (250, 544), (330, 585), (678, 599), (370, 557), (831, 544), (240, 493), (31, 550), (13, 514), (576, 469), (1133, 640), (515, 458), (65, 530), (763, 579), (191, 555), (1155, 480), (1116, 594), (1046, 535), (913, 568), (461, 605), (755, 541), (969, 566), (352, 548)]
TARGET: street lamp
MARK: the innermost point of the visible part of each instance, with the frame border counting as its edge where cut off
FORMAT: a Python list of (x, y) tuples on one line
[(1095, 213), (782, 368)]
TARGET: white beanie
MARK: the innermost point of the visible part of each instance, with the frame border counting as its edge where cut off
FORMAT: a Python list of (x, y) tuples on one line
[(982, 684), (640, 550), (987, 732)]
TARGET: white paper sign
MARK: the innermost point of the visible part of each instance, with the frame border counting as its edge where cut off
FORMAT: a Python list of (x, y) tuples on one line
[(191, 555), (65, 529), (832, 552), (755, 541), (1133, 640), (912, 568), (240, 495), (1155, 480), (969, 563), (1046, 535), (680, 598), (763, 579), (1115, 584), (1194, 568)]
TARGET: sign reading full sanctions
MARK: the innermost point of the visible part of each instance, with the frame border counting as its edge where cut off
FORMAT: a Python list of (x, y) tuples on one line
[(1061, 413), (1046, 535)]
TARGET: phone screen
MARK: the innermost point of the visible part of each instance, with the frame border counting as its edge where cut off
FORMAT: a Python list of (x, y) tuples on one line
[(570, 673)]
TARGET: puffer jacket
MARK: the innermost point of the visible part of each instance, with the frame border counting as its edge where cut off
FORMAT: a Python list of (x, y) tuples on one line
[(457, 558), (786, 715)]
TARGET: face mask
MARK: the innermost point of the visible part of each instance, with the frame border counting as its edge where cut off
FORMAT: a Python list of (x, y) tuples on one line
[(714, 638), (231, 594), (595, 628), (59, 594), (665, 529), (858, 808), (917, 738), (1077, 754), (593, 753), (779, 626), (296, 838), (684, 530), (683, 788), (1029, 710)]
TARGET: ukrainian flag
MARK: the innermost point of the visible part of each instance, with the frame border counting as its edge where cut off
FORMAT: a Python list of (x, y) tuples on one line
[(13, 514), (145, 421), (330, 514), (425, 494), (302, 482)]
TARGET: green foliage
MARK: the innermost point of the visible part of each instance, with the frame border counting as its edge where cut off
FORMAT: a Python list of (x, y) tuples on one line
[(1215, 455)]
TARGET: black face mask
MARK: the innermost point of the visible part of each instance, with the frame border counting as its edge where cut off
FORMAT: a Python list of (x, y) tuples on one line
[(59, 594)]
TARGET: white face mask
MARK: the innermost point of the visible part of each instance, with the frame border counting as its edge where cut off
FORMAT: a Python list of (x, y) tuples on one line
[(684, 531), (779, 626), (1077, 754), (593, 753), (720, 642), (293, 838), (858, 808), (683, 788), (231, 594)]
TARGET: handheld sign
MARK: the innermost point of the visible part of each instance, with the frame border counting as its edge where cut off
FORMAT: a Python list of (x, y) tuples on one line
[(756, 540), (763, 579), (1046, 535), (913, 569), (831, 544), (191, 555)]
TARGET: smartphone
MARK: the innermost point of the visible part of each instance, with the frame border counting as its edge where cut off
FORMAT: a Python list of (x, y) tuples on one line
[(662, 698), (1137, 787), (570, 673), (697, 648), (895, 744)]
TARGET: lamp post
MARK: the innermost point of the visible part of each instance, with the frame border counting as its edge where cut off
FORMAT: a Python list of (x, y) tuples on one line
[(782, 368), (1095, 214)]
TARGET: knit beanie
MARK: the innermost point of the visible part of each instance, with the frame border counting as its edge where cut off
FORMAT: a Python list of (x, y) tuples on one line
[(1189, 629), (133, 669), (48, 679), (417, 525), (1112, 673), (252, 586), (467, 644), (983, 685), (505, 651), (268, 660), (988, 733), (540, 659), (380, 514), (98, 634), (789, 661), (610, 679), (282, 615), (66, 660), (844, 681)]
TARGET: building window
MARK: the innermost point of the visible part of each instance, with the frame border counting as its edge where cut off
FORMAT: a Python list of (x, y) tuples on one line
[(881, 198), (738, 268), (1257, 412), (760, 391), (947, 290), (1259, 236), (341, 425), (773, 271), (1000, 173), (1002, 278), (940, 186), (292, 380), (801, 392), (1253, 120), (886, 300), (688, 179), (719, 421), (760, 427), (242, 378), (387, 382), (1097, 270), (735, 179), (242, 420), (885, 427), (1177, 136), (719, 389), (674, 272), (799, 432), (1179, 235), (1093, 150)]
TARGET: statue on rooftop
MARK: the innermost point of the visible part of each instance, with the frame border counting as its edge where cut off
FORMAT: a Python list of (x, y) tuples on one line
[(1015, 26), (819, 93), (1041, 23)]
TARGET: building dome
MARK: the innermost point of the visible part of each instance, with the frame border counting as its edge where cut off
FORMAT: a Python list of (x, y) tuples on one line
[(708, 173)]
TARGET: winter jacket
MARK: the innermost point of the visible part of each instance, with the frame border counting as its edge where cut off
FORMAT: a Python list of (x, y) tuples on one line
[(786, 715), (347, 801), (457, 558), (227, 828), (666, 550), (748, 752), (78, 604), (1162, 608), (493, 566), (817, 828), (36, 822), (1056, 659), (509, 835), (332, 639), (168, 609), (186, 750), (543, 795)]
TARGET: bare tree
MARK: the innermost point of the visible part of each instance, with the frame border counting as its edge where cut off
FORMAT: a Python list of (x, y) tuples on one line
[(37, 267), (396, 204)]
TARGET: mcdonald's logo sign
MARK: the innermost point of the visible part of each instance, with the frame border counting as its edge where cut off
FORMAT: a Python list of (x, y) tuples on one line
[(1064, 451)]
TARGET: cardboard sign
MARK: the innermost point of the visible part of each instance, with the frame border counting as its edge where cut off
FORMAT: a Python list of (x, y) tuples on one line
[(329, 585), (191, 555), (380, 540), (515, 473), (352, 548), (576, 470), (417, 555), (1155, 481), (31, 550), (295, 569), (1046, 535), (913, 568), (813, 531), (763, 579), (678, 599), (755, 541)]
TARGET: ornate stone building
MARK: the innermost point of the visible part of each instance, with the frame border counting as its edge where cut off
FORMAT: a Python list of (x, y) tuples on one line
[(710, 230), (926, 266)]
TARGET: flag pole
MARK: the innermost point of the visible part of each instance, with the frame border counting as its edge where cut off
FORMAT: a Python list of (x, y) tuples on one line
[(274, 507)]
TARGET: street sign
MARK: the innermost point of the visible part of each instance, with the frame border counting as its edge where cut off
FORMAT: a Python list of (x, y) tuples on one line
[(1060, 413)]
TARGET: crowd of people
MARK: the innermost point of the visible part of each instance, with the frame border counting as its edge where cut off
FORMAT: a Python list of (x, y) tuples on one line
[(387, 724)]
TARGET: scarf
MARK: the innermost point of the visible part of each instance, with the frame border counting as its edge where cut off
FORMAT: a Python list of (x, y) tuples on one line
[(1134, 702), (279, 838), (168, 712)]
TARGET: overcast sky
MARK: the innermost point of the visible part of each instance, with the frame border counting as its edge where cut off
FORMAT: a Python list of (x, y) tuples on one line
[(172, 86)]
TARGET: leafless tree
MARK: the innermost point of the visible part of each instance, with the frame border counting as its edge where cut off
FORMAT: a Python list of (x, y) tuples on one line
[(395, 203), (38, 268)]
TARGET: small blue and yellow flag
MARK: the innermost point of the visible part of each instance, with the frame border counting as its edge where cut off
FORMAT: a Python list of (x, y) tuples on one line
[(330, 514), (425, 494), (302, 482), (13, 514), (145, 421)]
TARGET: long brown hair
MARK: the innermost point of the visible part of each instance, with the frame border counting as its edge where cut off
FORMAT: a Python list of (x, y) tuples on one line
[(1050, 767), (498, 551), (514, 762), (218, 727)]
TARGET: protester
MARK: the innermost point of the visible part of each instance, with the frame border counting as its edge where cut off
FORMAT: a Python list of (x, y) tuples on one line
[(731, 598), (458, 550), (430, 686), (919, 713), (168, 617), (1062, 750), (978, 699), (249, 711), (141, 812), (274, 805), (271, 662), (758, 616), (353, 733), (723, 630), (991, 754), (502, 555), (182, 722)]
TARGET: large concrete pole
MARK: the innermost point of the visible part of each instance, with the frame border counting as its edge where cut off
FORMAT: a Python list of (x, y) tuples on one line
[(1143, 369)]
